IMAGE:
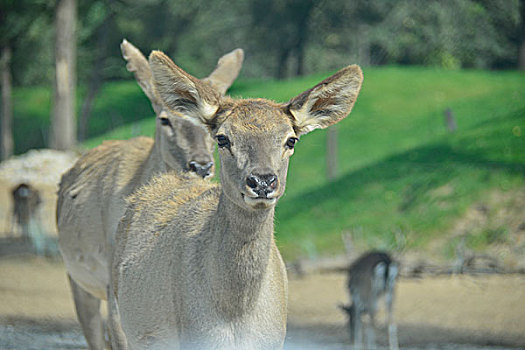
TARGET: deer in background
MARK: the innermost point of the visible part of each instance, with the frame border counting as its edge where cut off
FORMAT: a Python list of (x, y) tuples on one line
[(26, 200), (372, 276), (196, 265), (91, 194)]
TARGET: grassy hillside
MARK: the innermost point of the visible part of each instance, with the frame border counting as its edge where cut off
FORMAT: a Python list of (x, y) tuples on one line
[(403, 178), (119, 103)]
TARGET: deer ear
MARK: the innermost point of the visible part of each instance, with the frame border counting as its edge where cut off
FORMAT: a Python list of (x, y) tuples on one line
[(326, 103), (138, 65), (227, 70), (180, 92)]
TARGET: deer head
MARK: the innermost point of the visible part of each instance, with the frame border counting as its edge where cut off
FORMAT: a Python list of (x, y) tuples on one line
[(181, 144), (255, 137)]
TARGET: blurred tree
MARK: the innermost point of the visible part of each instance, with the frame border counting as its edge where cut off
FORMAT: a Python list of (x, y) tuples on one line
[(448, 33), (96, 30), (16, 20), (521, 37), (63, 123), (282, 27), (348, 29), (281, 38)]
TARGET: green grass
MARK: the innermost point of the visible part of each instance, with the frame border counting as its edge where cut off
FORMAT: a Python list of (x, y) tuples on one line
[(118, 104), (144, 127), (403, 178)]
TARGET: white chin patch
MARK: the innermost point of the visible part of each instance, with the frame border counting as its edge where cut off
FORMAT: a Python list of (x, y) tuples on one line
[(259, 203)]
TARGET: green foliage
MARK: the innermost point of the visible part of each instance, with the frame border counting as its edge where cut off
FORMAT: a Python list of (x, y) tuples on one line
[(487, 237), (144, 127), (32, 107), (26, 27), (476, 241), (119, 103), (281, 37)]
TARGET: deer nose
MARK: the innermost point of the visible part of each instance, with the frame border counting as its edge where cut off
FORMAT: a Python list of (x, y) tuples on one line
[(201, 169), (262, 185)]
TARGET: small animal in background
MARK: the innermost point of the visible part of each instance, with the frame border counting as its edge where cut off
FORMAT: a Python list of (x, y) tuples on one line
[(26, 201), (372, 276)]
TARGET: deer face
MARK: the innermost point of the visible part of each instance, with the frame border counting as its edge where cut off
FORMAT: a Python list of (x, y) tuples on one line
[(255, 141), (255, 137), (184, 145)]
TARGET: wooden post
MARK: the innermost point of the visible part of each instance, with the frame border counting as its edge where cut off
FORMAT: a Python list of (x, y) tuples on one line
[(450, 121), (331, 153)]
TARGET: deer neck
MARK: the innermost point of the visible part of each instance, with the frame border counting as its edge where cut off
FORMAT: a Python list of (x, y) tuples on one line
[(154, 164), (242, 241)]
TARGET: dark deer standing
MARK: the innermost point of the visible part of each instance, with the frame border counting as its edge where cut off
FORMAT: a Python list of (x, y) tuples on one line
[(26, 200), (372, 276)]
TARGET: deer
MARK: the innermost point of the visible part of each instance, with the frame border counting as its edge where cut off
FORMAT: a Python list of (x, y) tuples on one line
[(91, 194), (196, 265), (372, 276), (26, 200)]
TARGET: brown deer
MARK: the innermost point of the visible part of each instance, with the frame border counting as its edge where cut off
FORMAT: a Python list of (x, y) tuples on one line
[(196, 265), (91, 194), (372, 276)]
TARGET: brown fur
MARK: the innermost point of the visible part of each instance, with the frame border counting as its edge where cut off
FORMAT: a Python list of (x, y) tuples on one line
[(91, 197), (196, 265)]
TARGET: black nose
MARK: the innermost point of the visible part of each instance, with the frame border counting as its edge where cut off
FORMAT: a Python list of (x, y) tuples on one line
[(262, 185), (200, 169)]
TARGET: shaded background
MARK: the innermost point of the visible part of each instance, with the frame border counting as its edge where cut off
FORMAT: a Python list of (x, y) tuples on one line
[(281, 38)]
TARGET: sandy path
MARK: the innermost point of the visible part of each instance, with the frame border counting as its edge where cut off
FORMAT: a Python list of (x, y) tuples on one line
[(479, 311), (484, 310), (34, 289)]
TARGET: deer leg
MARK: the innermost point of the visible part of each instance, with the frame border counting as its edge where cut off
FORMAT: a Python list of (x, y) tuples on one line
[(357, 328), (88, 313), (392, 328), (389, 299), (118, 338), (370, 332)]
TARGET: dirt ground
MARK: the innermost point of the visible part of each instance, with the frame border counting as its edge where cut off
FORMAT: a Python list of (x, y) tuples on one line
[(459, 312)]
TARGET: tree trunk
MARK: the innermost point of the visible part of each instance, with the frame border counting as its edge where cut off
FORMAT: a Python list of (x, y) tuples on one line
[(96, 80), (63, 128), (302, 34), (87, 105), (7, 104), (521, 53), (282, 61), (331, 153)]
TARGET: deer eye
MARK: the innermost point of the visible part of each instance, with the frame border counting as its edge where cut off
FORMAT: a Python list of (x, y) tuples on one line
[(223, 141), (290, 143), (165, 121)]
